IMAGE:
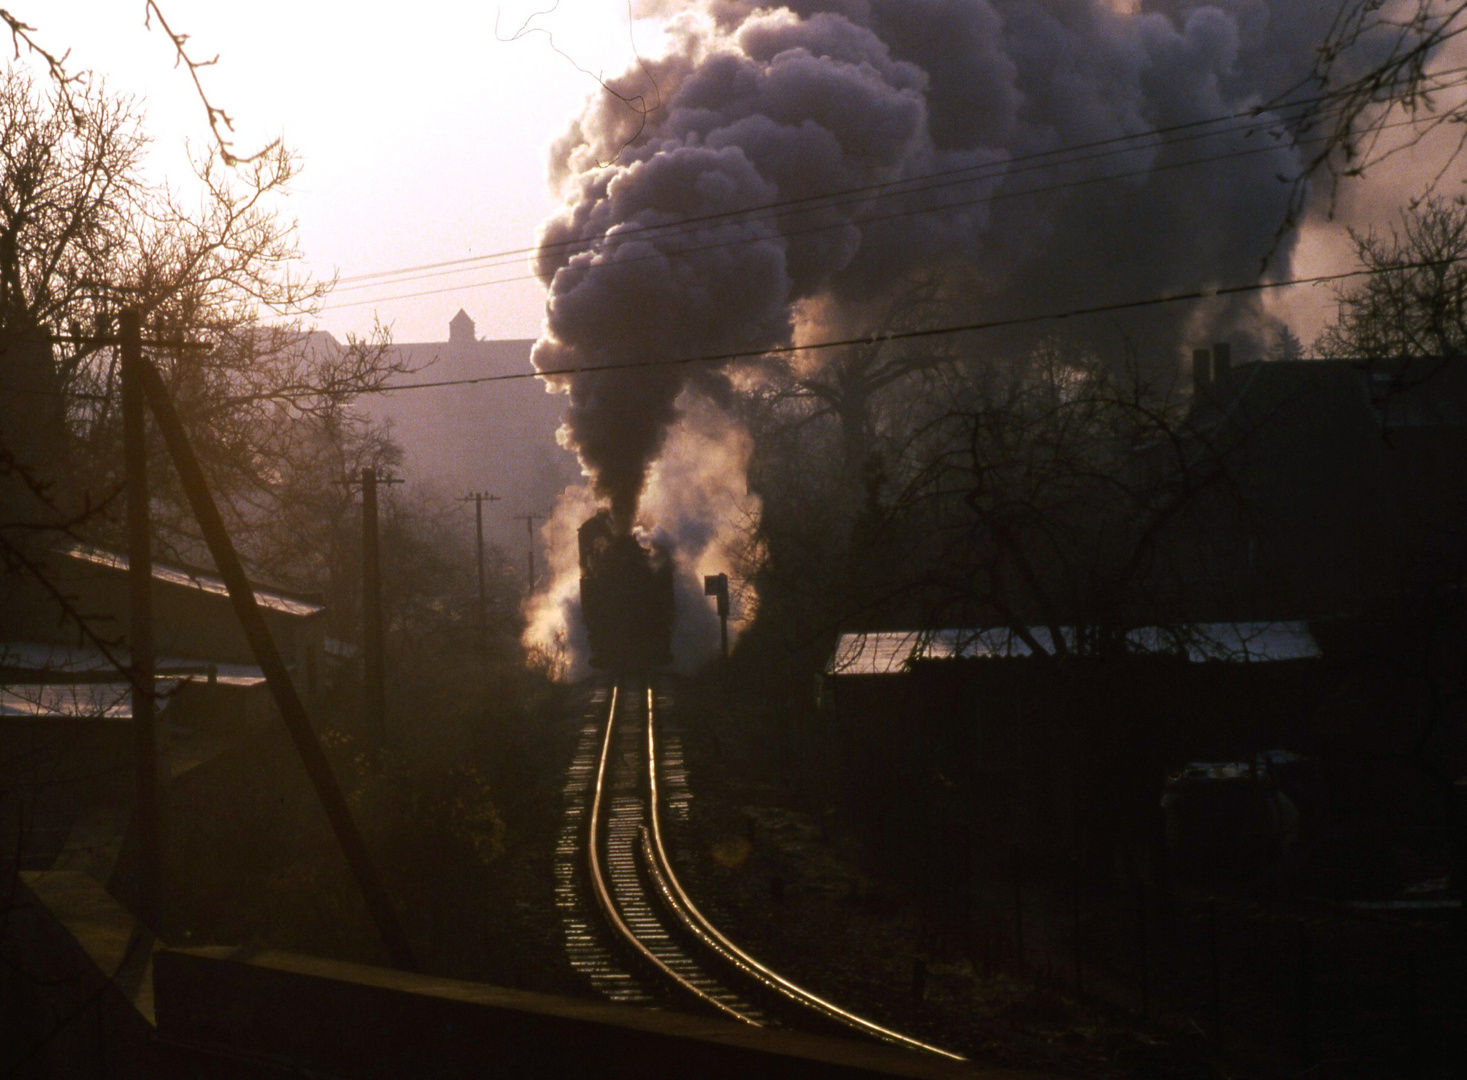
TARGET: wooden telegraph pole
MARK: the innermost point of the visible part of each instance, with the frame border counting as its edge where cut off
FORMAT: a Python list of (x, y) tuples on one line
[(529, 520), (479, 498), (374, 662), (272, 666), (149, 814)]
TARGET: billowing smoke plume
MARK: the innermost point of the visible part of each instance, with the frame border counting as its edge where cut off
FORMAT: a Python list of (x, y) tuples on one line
[(760, 106)]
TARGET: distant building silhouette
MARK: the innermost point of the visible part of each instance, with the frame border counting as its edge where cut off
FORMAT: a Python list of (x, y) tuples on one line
[(496, 436), (461, 329)]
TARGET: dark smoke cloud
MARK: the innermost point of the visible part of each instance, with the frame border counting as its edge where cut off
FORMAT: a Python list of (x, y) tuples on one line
[(759, 105)]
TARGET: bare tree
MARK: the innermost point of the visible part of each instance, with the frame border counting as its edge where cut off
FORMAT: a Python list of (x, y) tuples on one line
[(1375, 67), (83, 235), (1065, 493), (1414, 301)]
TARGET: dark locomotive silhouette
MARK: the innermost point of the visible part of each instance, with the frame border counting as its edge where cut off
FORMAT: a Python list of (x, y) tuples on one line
[(626, 598)]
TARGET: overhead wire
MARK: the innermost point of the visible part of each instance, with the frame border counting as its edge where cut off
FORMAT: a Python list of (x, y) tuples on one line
[(1253, 115), (998, 169), (1253, 119), (989, 198), (775, 351), (771, 352)]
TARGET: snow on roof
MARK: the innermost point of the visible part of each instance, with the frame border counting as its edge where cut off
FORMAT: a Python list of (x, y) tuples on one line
[(269, 599), (890, 652), (81, 701), (41, 661)]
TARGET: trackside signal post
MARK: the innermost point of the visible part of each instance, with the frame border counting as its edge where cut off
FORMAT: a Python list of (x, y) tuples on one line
[(716, 585)]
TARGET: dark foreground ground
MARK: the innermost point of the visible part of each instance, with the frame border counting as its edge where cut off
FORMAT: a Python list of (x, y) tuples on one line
[(1381, 995), (1230, 985)]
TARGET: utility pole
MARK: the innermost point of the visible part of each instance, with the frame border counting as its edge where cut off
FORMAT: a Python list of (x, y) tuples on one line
[(479, 498), (374, 664), (529, 520), (149, 815), (272, 666)]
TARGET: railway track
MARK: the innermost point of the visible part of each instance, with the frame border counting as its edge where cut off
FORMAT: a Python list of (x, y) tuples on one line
[(631, 926)]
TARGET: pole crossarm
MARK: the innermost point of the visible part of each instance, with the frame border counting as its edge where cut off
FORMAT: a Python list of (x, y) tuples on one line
[(356, 481), (267, 655)]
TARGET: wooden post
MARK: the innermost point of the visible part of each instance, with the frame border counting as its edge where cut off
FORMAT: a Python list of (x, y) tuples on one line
[(1306, 1053), (479, 498), (1214, 969), (529, 520), (374, 681), (1014, 869), (267, 655), (148, 817), (1413, 1020), (1079, 954), (479, 551), (1143, 948)]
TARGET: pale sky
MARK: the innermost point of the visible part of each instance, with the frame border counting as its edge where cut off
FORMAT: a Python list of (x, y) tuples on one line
[(423, 138)]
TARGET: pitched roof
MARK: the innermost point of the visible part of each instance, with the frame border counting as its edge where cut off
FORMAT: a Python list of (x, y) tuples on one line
[(461, 327), (269, 599), (891, 652)]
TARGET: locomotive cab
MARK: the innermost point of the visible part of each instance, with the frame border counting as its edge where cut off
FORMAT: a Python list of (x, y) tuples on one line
[(626, 598)]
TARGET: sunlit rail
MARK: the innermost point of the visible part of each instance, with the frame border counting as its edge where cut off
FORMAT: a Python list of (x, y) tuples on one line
[(668, 946)]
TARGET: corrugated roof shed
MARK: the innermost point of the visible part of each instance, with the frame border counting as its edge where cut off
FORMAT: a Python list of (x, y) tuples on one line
[(890, 652), (270, 599), (42, 662), (73, 701)]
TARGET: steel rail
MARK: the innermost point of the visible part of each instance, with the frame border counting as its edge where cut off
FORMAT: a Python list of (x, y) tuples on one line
[(603, 893), (660, 869)]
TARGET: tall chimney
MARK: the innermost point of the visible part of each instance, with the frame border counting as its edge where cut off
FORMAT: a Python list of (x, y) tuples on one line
[(1201, 372), (1222, 363)]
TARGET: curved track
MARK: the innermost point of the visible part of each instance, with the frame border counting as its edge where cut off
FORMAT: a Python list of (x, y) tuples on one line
[(669, 950)]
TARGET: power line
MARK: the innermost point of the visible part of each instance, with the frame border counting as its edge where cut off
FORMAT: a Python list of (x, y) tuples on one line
[(900, 335), (1002, 169), (817, 346), (1255, 118), (989, 199)]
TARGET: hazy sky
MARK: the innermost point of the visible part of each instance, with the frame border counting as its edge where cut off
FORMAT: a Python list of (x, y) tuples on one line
[(423, 138)]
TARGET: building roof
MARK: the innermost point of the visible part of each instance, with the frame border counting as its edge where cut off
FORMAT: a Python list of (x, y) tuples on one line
[(269, 599), (73, 701), (36, 662), (461, 327), (892, 652), (1391, 394)]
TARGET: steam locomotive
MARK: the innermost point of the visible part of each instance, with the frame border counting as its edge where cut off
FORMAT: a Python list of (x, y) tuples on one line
[(626, 598)]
